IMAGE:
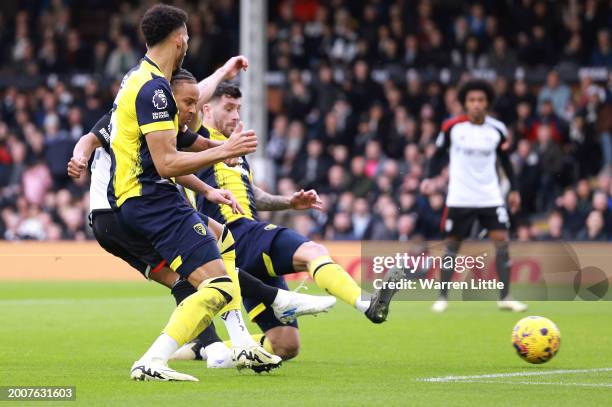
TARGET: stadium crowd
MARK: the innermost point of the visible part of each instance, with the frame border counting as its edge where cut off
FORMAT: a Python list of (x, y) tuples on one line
[(360, 137)]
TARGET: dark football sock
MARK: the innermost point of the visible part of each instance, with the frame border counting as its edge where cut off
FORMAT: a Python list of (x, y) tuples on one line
[(254, 288), (446, 273), (208, 336), (502, 266), (181, 290)]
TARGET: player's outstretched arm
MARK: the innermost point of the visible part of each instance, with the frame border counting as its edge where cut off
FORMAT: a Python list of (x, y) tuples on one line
[(228, 71), (81, 153), (219, 196), (201, 144), (172, 163), (300, 200)]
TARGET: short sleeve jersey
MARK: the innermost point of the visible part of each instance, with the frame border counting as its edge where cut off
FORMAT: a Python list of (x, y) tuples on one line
[(143, 104)]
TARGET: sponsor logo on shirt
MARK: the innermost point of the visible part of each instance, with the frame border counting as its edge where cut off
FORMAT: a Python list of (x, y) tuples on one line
[(160, 115)]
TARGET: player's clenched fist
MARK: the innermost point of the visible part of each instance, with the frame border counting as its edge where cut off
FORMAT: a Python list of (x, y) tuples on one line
[(241, 142), (76, 166)]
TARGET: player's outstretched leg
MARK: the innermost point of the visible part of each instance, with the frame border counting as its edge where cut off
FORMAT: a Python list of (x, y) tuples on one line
[(335, 280), (287, 305)]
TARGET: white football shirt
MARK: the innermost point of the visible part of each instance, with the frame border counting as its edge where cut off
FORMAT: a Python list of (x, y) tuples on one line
[(473, 179)]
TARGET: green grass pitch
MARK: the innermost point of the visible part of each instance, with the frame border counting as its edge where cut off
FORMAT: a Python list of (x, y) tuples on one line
[(88, 334)]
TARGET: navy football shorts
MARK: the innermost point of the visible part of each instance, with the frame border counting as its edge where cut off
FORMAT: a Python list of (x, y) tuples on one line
[(176, 231), (265, 251)]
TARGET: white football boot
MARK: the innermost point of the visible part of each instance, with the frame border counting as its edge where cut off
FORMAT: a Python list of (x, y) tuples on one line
[(509, 304), (290, 305), (440, 305), (255, 358), (155, 370)]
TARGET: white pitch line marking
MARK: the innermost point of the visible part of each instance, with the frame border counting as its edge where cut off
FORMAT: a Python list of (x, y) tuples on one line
[(513, 374), (537, 383)]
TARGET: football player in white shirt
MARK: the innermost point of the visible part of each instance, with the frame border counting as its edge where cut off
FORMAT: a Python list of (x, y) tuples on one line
[(474, 143)]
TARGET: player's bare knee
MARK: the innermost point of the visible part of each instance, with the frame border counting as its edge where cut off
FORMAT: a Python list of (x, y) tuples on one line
[(212, 269), (312, 250)]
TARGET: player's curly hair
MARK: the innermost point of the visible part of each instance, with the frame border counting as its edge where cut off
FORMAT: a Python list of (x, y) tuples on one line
[(227, 89), (476, 84), (159, 21), (182, 75)]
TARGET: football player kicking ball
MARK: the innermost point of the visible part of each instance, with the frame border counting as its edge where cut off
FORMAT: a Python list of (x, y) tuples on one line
[(268, 251), (144, 163), (141, 255), (475, 143)]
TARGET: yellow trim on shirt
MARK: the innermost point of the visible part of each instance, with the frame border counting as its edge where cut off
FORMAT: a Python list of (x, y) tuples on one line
[(157, 126)]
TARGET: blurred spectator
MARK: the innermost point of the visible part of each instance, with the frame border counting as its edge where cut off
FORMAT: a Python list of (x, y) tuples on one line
[(594, 230), (555, 228), (311, 168), (573, 217), (550, 157), (555, 92), (523, 232), (121, 59), (602, 55), (600, 204), (341, 228)]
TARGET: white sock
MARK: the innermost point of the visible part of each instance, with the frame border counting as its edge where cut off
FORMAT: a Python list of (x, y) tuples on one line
[(282, 298), (362, 305), (236, 329), (163, 347)]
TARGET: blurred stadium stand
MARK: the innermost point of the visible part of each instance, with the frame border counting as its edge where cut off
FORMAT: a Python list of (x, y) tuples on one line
[(357, 91)]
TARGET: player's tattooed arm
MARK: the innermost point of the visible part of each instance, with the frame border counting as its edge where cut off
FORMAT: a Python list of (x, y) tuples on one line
[(268, 202), (299, 200)]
